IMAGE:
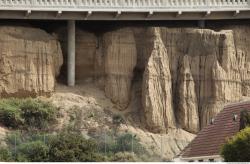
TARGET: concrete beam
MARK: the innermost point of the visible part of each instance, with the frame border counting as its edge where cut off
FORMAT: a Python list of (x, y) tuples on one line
[(58, 14), (150, 14), (27, 13), (179, 13), (208, 13), (237, 12), (89, 13), (71, 53), (118, 14)]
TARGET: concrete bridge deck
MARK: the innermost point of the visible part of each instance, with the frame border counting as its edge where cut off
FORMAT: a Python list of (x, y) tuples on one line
[(125, 9)]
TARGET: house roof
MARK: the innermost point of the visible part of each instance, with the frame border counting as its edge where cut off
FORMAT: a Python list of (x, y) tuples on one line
[(209, 140)]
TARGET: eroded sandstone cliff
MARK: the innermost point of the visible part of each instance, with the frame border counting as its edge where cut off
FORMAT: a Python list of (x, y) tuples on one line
[(157, 87), (170, 78), (30, 60), (120, 60), (186, 74)]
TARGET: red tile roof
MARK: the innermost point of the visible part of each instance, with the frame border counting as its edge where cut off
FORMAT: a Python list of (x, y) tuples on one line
[(210, 139)]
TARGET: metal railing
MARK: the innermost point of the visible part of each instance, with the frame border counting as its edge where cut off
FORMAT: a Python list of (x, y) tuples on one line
[(125, 4)]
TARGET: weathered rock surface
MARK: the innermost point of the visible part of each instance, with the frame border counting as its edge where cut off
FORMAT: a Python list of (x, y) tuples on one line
[(30, 59), (157, 88), (120, 60), (186, 100), (86, 49), (186, 74), (207, 70), (213, 68)]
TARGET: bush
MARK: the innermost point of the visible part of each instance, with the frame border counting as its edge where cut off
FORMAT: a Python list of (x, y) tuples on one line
[(237, 149), (27, 113), (37, 113), (111, 144), (34, 151), (65, 146), (72, 147), (124, 157), (244, 119), (5, 155), (129, 142), (118, 120), (10, 114)]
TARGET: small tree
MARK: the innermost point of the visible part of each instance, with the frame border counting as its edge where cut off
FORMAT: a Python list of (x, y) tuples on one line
[(237, 149), (72, 147), (244, 119)]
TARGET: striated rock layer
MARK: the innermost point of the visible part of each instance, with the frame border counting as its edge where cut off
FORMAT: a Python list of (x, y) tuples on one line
[(157, 88), (120, 60), (211, 66), (186, 103), (185, 75), (30, 60)]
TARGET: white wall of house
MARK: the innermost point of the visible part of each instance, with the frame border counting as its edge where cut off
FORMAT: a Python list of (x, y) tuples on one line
[(215, 158)]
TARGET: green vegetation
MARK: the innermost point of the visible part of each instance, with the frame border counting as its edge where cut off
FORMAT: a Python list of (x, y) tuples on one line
[(125, 146), (33, 151), (244, 119), (27, 113), (32, 117), (62, 147), (5, 155), (237, 149), (73, 147)]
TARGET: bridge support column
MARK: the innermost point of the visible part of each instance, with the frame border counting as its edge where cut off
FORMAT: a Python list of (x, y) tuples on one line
[(71, 53), (201, 23)]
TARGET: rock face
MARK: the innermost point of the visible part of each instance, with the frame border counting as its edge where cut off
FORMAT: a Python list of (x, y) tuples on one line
[(212, 69), (185, 75), (157, 88), (30, 60), (120, 60), (207, 70), (186, 104)]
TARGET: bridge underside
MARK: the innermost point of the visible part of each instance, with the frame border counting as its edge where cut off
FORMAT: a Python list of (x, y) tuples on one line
[(124, 15)]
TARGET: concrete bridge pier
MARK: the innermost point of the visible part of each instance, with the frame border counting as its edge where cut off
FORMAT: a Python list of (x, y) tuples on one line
[(201, 23), (71, 53)]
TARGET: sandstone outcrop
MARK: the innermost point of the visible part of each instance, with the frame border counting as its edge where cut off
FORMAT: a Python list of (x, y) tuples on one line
[(157, 88), (213, 68), (186, 74), (206, 69), (119, 61), (30, 60), (186, 100)]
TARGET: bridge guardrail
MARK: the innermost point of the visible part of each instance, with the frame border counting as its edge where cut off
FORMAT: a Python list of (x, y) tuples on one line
[(138, 4)]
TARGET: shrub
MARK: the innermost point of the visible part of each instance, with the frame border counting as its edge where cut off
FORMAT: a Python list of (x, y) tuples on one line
[(237, 149), (26, 113), (66, 146), (10, 114), (118, 119), (129, 142), (72, 147), (5, 155), (111, 144), (124, 157), (244, 119), (37, 113), (34, 151)]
